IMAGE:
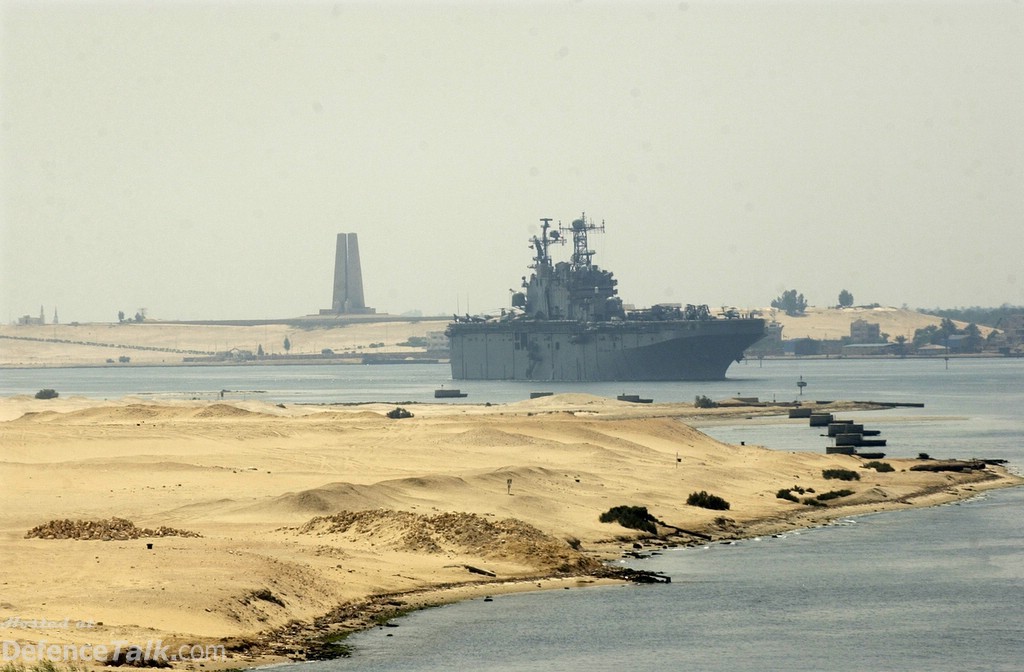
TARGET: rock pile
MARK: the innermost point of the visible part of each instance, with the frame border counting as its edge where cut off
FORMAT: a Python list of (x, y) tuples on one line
[(105, 530)]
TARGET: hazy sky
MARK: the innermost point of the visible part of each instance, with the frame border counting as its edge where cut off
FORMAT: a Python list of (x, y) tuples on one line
[(198, 159)]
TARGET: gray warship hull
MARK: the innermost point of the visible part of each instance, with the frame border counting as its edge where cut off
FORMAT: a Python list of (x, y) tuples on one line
[(569, 324), (564, 350)]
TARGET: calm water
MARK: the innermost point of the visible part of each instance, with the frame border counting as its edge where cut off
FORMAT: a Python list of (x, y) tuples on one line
[(932, 589), (966, 381)]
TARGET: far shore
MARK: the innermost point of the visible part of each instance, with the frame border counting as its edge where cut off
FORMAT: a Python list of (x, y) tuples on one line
[(352, 338), (366, 359), (273, 530)]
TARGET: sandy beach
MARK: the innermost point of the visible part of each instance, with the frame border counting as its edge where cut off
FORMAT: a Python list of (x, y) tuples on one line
[(260, 527)]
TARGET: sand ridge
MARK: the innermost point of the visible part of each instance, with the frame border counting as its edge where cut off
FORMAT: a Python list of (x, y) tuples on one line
[(309, 511), (833, 323)]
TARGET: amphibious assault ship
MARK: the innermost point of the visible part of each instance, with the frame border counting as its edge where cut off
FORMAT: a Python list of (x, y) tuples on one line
[(570, 325)]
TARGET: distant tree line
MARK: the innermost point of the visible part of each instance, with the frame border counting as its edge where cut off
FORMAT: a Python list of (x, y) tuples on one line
[(793, 302), (988, 317), (939, 335), (140, 316)]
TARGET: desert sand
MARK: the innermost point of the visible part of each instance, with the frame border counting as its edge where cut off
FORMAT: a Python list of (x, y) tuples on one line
[(834, 323), (156, 343), (300, 521)]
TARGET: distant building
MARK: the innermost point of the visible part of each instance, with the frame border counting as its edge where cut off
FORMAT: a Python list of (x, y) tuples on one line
[(437, 341), (802, 347), (863, 332), (771, 344), (28, 320), (1012, 327), (868, 349), (957, 342)]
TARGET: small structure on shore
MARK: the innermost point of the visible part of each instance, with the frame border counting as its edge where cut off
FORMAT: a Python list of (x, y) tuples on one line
[(847, 436), (443, 393)]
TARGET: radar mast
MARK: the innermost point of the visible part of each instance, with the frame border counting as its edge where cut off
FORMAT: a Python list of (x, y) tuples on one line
[(540, 244), (582, 255)]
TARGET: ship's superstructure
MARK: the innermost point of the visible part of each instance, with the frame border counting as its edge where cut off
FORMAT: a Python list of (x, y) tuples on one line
[(570, 325)]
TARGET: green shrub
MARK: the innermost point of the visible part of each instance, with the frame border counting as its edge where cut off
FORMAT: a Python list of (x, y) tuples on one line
[(399, 413), (834, 494), (47, 394), (785, 493), (633, 517), (813, 501), (700, 401), (879, 466), (707, 501), (841, 474)]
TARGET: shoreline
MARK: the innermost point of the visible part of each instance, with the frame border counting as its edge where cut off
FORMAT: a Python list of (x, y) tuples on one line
[(380, 610), (417, 357), (319, 520), (262, 342)]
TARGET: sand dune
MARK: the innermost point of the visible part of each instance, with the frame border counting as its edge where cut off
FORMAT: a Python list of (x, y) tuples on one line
[(834, 323), (325, 498), (310, 511)]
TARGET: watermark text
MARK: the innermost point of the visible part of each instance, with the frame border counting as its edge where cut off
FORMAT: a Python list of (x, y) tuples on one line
[(45, 623), (120, 650)]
